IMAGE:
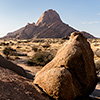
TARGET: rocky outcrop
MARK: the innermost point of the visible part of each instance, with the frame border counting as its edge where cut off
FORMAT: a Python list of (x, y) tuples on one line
[(49, 25), (9, 65), (15, 87), (87, 35), (71, 73), (48, 17), (14, 34)]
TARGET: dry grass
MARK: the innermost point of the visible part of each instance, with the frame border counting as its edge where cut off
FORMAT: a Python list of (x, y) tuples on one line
[(32, 46), (29, 44)]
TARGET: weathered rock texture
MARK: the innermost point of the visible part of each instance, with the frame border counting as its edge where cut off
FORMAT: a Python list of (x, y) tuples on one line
[(49, 25), (15, 87), (97, 52), (71, 73), (9, 65)]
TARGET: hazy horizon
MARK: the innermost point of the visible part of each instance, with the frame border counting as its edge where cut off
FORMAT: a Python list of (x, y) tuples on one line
[(81, 15)]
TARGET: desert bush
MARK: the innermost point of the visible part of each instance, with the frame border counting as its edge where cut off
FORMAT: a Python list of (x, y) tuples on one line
[(11, 43), (8, 51), (40, 59), (18, 47), (39, 50), (26, 41), (46, 45), (61, 42), (35, 48), (21, 54), (38, 40), (4, 44), (96, 44), (19, 42)]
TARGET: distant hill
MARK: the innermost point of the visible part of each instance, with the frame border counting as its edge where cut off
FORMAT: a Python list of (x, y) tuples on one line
[(49, 25)]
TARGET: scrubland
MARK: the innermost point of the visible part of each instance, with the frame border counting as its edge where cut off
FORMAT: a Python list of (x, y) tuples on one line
[(33, 54)]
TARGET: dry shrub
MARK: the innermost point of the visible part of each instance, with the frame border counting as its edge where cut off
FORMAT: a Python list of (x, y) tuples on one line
[(38, 40), (40, 59), (4, 44), (35, 48), (46, 45), (9, 51)]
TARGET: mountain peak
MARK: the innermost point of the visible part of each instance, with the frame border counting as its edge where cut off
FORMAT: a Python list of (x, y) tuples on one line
[(49, 25), (48, 16)]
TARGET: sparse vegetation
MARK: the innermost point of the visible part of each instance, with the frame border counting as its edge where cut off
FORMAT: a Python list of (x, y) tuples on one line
[(41, 47), (46, 45), (18, 47), (40, 59), (4, 44), (35, 48), (39, 40), (8, 51)]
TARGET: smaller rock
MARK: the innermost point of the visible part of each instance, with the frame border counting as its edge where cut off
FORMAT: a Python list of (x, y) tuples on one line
[(97, 52), (9, 65), (58, 85)]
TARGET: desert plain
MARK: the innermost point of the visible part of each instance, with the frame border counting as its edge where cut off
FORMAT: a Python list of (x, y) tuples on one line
[(26, 49)]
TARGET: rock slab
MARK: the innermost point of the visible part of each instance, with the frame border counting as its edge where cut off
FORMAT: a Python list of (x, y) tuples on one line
[(9, 65)]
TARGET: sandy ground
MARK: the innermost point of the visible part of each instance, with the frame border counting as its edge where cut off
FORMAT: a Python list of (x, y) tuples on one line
[(30, 70)]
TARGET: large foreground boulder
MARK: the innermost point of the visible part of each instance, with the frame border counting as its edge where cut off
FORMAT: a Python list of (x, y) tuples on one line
[(71, 73), (9, 65), (16, 87)]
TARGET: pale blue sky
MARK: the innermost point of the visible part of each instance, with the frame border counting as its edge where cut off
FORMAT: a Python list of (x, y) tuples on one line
[(83, 15)]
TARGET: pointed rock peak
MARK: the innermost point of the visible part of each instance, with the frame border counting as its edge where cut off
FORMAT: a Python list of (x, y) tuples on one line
[(48, 16), (28, 23), (31, 23)]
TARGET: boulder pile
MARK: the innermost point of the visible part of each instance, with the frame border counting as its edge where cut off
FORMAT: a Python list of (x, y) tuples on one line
[(71, 73)]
